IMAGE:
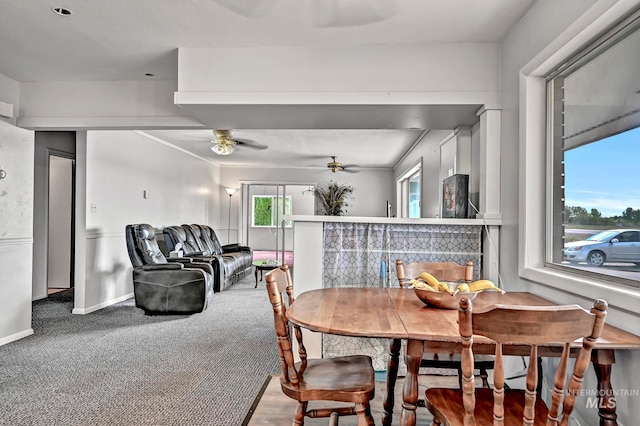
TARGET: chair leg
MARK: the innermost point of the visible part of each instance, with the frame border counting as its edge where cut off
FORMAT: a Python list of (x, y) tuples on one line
[(363, 410), (485, 378), (333, 419), (298, 417)]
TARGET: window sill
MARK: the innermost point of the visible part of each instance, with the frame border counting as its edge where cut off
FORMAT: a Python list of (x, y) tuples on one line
[(564, 287)]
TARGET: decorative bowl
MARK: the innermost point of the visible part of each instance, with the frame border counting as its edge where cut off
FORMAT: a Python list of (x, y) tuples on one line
[(442, 299)]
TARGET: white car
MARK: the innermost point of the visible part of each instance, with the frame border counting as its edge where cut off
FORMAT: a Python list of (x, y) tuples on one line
[(615, 245)]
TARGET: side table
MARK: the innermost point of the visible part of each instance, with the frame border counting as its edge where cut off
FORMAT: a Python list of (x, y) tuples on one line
[(264, 265)]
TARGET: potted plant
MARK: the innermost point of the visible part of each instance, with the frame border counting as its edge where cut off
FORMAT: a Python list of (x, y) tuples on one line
[(332, 198)]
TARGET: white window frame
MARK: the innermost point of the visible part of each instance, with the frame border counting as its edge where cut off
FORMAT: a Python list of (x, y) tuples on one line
[(534, 192), (403, 190)]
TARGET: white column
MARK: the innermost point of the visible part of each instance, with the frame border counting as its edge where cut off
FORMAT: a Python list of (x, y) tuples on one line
[(490, 136), (489, 174)]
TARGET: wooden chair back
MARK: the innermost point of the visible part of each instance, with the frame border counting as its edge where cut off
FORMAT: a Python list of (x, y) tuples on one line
[(530, 326), (279, 283), (443, 271), (346, 379)]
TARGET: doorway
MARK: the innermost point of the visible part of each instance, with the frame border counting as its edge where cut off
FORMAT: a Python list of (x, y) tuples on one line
[(268, 234), (60, 227)]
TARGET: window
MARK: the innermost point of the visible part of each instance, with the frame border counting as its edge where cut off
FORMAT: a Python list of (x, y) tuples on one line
[(267, 211), (594, 158), (414, 195), (410, 192)]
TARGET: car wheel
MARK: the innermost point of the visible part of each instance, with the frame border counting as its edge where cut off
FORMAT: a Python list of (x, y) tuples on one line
[(596, 258)]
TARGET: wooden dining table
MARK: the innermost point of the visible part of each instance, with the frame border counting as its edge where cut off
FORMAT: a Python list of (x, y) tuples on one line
[(398, 314)]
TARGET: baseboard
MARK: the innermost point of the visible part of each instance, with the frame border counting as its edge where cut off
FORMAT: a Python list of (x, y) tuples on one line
[(84, 311), (16, 336)]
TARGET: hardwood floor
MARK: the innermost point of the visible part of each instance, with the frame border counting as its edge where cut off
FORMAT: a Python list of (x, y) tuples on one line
[(276, 409)]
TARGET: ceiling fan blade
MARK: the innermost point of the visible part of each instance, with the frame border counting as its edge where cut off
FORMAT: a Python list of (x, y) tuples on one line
[(250, 144)]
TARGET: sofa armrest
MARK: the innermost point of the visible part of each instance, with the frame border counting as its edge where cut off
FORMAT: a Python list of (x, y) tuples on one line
[(229, 248), (179, 259), (234, 248), (162, 266), (207, 267)]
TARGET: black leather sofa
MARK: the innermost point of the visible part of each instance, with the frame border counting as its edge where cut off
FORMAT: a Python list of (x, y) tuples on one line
[(230, 262), (166, 286)]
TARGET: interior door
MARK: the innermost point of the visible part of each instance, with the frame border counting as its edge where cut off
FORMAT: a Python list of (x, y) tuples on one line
[(60, 223)]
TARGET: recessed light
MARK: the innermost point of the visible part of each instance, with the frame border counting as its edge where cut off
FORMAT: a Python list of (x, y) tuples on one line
[(61, 11)]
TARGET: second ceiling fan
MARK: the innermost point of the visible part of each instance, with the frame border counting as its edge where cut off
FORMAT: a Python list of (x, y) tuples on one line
[(336, 166)]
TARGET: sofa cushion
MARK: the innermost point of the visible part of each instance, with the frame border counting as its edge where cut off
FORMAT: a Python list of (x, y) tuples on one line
[(210, 238), (178, 234), (147, 244)]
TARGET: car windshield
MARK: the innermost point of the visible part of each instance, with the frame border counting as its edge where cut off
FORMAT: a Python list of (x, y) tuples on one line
[(603, 236)]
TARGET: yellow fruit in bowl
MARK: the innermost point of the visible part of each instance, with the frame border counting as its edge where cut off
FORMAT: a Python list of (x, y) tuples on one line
[(429, 279), (463, 288), (481, 285), (444, 287), (420, 285)]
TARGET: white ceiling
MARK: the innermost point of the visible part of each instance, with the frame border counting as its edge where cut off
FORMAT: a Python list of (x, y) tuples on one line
[(123, 39)]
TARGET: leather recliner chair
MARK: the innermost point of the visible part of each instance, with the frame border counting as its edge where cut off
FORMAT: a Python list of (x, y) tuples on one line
[(174, 235), (161, 286)]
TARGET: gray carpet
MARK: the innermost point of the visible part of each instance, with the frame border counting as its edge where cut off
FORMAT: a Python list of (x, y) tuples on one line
[(117, 366)]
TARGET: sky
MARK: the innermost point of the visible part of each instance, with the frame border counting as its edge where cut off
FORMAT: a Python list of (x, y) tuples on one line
[(605, 175)]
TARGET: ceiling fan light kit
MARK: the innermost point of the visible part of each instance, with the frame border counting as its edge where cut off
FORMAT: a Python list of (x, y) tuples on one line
[(223, 148), (224, 144)]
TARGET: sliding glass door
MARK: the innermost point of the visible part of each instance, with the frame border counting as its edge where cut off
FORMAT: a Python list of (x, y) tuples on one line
[(267, 204)]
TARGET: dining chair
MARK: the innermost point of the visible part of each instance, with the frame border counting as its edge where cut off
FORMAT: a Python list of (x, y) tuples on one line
[(348, 379), (448, 272), (525, 326)]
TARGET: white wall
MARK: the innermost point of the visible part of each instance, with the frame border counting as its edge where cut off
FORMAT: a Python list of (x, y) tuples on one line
[(120, 166), (434, 67), (16, 222), (122, 104)]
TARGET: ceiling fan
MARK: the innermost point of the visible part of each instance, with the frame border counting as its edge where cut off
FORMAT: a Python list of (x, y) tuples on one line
[(224, 144), (336, 166)]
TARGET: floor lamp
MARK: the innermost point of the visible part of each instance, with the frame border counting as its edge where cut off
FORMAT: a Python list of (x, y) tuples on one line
[(230, 191)]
